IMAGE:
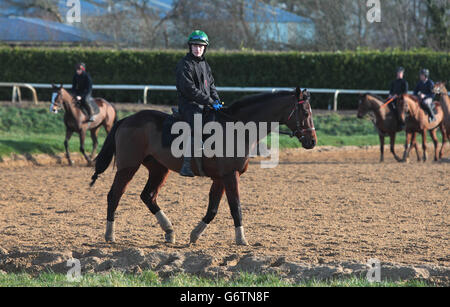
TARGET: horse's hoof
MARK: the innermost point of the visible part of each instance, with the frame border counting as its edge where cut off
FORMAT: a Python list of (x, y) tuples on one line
[(240, 236), (170, 237), (197, 232), (109, 234), (242, 242)]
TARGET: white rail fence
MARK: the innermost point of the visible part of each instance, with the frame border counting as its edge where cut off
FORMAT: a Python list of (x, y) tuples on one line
[(17, 96)]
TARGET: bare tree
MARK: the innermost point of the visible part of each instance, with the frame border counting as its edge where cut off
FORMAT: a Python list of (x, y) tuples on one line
[(47, 9)]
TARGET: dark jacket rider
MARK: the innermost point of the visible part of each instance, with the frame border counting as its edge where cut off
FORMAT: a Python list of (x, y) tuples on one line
[(424, 90), (399, 87), (195, 85), (82, 88)]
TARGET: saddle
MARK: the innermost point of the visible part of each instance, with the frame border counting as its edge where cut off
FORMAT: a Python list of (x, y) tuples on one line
[(91, 102), (167, 136)]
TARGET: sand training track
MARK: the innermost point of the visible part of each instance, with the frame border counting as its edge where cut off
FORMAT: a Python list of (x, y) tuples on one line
[(319, 207)]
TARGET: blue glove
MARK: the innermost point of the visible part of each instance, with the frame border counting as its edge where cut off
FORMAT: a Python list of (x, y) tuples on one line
[(217, 105)]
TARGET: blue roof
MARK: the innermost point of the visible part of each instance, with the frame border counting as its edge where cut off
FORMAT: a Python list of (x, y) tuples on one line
[(21, 29), (256, 11)]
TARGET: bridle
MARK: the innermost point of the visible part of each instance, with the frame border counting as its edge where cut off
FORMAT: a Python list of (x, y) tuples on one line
[(298, 128)]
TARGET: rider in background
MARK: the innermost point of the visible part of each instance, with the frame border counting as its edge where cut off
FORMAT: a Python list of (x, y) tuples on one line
[(399, 87), (82, 89), (195, 85), (424, 90)]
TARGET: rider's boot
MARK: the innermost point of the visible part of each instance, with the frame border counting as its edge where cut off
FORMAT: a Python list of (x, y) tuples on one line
[(431, 116), (186, 170)]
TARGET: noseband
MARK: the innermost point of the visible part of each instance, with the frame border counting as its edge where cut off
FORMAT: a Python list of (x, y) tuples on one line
[(298, 127)]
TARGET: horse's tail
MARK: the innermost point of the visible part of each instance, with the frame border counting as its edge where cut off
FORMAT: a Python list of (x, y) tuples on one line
[(106, 154)]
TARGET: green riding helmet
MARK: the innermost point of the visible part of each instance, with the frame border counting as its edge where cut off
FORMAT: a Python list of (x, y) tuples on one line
[(198, 37)]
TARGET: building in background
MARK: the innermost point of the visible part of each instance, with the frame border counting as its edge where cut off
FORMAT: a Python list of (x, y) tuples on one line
[(166, 23)]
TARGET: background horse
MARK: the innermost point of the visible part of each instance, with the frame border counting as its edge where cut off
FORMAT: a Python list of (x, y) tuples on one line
[(417, 121), (385, 120), (76, 121), (440, 89), (136, 141)]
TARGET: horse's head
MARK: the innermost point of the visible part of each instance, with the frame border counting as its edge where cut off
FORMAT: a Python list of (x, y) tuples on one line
[(57, 98), (363, 106), (300, 120), (404, 107), (439, 88)]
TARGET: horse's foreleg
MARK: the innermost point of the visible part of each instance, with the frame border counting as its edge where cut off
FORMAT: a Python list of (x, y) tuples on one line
[(66, 146), (407, 147), (157, 177), (392, 138), (82, 139), (215, 195), (231, 183), (424, 145), (381, 147), (435, 143), (121, 180), (94, 142)]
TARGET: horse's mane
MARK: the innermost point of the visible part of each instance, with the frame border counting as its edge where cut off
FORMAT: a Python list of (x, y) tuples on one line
[(255, 99), (413, 98), (374, 95)]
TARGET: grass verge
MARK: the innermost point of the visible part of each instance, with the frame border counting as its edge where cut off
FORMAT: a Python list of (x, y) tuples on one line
[(151, 279)]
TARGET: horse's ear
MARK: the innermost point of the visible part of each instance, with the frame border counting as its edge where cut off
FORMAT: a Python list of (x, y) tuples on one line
[(298, 92), (61, 86)]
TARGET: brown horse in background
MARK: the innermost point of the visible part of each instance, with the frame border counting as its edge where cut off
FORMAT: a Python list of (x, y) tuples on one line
[(136, 141), (385, 120), (440, 89), (76, 121), (417, 121)]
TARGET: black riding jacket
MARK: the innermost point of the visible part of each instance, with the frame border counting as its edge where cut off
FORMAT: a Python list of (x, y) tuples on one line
[(195, 82), (399, 87), (82, 85), (425, 88)]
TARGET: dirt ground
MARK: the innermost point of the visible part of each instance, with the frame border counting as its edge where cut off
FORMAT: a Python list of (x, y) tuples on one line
[(321, 206)]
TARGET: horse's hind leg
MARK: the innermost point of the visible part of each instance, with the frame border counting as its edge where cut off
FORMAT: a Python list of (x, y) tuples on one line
[(121, 180), (157, 176), (82, 139), (435, 143), (215, 195), (94, 133), (444, 141)]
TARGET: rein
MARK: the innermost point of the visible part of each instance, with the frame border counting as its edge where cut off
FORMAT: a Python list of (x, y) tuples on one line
[(298, 128), (291, 134)]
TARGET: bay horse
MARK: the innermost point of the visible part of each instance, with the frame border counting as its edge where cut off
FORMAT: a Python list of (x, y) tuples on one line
[(440, 89), (76, 121), (136, 141), (416, 120), (386, 122)]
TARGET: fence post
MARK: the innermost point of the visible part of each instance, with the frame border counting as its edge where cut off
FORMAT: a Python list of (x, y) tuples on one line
[(336, 94), (145, 94)]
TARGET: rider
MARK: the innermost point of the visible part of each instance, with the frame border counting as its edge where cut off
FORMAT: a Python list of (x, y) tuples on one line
[(424, 90), (82, 88), (195, 85), (399, 87)]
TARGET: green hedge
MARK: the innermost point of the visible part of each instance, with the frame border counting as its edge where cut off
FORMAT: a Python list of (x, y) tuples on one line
[(347, 70)]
